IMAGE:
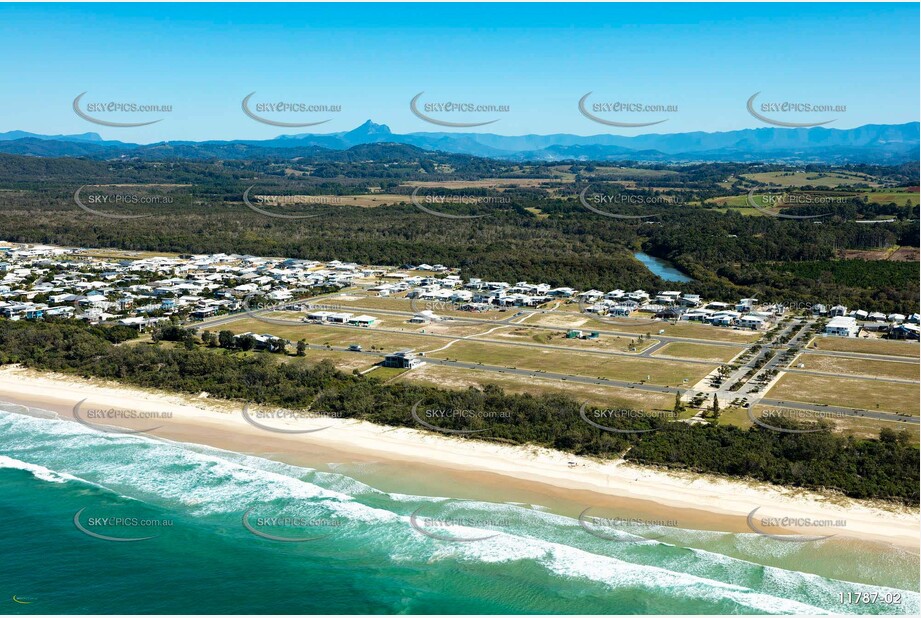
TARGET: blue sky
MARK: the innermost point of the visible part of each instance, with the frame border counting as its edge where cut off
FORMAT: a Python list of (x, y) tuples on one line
[(538, 59)]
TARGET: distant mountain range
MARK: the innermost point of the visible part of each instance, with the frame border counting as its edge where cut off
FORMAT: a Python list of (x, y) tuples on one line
[(885, 144)]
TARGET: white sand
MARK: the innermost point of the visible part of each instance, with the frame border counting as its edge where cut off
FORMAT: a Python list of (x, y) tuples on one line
[(221, 424)]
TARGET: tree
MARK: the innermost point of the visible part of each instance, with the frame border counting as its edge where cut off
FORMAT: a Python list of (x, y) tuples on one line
[(278, 346), (678, 405), (716, 407), (301, 347), (225, 339)]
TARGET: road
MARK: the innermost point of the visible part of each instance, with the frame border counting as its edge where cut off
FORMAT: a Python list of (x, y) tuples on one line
[(801, 327), (651, 388), (527, 313), (211, 323)]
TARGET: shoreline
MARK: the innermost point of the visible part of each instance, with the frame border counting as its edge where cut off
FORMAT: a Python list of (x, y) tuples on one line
[(472, 469)]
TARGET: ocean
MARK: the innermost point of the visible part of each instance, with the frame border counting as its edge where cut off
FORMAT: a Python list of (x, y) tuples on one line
[(111, 523)]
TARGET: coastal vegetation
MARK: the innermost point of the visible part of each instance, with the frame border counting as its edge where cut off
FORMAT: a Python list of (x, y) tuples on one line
[(884, 468)]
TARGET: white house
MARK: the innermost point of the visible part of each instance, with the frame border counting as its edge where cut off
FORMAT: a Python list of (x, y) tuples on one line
[(842, 326), (752, 321)]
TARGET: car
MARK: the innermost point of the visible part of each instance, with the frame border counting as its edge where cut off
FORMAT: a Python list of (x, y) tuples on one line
[(354, 348)]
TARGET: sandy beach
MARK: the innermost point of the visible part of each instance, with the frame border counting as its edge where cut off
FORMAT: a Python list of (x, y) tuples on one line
[(467, 468)]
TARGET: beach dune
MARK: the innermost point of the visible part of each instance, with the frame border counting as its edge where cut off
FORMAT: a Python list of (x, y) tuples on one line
[(478, 468)]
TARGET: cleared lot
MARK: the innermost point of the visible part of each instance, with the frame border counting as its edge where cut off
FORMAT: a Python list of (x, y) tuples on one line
[(619, 343), (643, 326), (865, 346), (458, 378), (856, 367), (699, 351), (585, 363), (854, 393)]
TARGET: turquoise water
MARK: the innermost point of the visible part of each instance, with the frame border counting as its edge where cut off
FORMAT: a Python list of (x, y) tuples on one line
[(662, 268), (366, 553)]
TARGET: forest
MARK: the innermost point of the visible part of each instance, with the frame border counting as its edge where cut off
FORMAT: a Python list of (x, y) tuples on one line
[(541, 234)]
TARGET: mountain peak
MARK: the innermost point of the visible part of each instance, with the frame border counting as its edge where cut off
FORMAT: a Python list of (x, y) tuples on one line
[(370, 128)]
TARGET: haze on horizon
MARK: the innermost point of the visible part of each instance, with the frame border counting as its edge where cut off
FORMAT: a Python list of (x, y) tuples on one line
[(373, 59)]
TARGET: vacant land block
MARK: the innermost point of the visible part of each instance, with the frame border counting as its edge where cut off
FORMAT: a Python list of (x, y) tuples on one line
[(865, 346), (856, 366), (588, 364), (857, 393), (612, 396), (700, 351)]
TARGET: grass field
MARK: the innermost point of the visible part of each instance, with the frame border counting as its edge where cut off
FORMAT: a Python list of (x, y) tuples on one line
[(865, 346), (385, 374), (816, 179), (847, 392), (363, 302), (740, 202), (482, 183), (700, 351), (577, 363), (895, 253), (346, 361), (335, 336), (685, 329), (856, 367), (626, 172), (458, 378), (899, 197), (619, 343)]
